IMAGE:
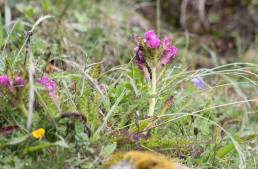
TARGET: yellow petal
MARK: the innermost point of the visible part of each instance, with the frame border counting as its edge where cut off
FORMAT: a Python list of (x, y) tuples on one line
[(39, 133)]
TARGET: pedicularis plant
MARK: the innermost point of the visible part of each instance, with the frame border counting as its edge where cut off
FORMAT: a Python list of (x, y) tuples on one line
[(15, 87), (151, 55)]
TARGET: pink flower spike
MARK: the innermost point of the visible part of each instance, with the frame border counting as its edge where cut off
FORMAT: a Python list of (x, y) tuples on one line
[(18, 82), (44, 80), (4, 81), (151, 39), (169, 51), (168, 55), (48, 84)]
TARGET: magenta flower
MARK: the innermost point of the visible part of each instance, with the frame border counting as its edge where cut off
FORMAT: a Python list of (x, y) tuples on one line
[(151, 39), (161, 52), (5, 81), (18, 82), (49, 85), (169, 51)]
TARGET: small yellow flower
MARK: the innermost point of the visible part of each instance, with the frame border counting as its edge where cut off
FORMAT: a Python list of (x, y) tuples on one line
[(39, 133)]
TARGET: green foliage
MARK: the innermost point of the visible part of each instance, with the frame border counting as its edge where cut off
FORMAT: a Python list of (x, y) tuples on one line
[(101, 107)]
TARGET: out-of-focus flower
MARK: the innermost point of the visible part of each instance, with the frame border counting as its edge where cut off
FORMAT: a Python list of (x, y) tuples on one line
[(52, 94), (19, 82), (151, 39), (139, 58), (38, 134), (169, 51), (49, 85), (5, 81), (198, 83)]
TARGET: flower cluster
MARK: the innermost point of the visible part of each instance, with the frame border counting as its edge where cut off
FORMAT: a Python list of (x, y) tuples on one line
[(151, 47), (7, 84), (49, 85), (10, 84)]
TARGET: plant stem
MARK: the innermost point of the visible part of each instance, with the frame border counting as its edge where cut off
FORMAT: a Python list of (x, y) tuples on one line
[(153, 91), (22, 108), (158, 16)]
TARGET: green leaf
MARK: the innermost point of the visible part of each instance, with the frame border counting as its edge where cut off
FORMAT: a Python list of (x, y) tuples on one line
[(229, 147), (37, 147), (18, 140), (108, 150), (61, 143), (44, 144), (225, 150), (14, 141)]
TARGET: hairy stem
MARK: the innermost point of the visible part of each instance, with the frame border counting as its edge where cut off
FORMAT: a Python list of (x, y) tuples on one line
[(153, 91)]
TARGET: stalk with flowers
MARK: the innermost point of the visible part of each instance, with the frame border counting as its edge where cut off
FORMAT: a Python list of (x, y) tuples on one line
[(13, 90), (151, 54)]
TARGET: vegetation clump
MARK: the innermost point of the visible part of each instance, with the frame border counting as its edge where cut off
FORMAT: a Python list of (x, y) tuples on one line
[(91, 84)]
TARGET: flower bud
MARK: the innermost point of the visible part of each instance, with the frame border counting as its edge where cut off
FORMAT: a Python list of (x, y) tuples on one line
[(18, 82)]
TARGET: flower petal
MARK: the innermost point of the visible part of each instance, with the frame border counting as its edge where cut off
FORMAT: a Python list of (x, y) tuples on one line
[(198, 83), (19, 81), (167, 42), (151, 39), (168, 55), (5, 81)]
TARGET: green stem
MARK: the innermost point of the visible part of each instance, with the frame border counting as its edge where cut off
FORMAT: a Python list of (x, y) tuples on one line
[(158, 16), (23, 109), (153, 91)]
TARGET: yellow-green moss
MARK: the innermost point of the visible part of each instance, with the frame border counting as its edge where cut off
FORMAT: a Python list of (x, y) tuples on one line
[(141, 160)]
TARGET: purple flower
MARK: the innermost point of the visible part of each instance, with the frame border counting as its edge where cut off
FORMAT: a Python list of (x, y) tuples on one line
[(4, 81), (49, 85), (19, 81), (139, 58), (198, 83), (166, 42), (151, 39), (169, 51)]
